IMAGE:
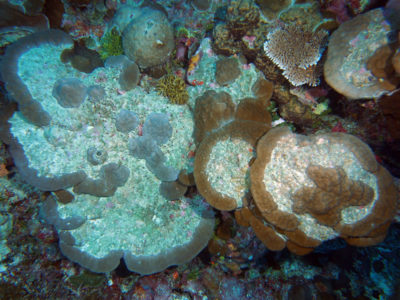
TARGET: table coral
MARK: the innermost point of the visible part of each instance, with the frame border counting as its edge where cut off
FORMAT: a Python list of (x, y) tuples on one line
[(296, 51)]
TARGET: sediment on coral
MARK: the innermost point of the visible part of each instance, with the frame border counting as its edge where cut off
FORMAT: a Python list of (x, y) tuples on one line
[(29, 107), (111, 176), (32, 176), (143, 264), (156, 132), (313, 189), (85, 151), (48, 211), (349, 50), (226, 138)]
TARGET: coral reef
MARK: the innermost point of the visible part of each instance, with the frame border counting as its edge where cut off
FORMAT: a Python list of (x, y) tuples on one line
[(126, 121), (228, 134), (227, 70), (102, 175), (82, 58), (111, 44), (271, 9), (384, 64), (69, 92), (201, 4), (130, 75), (15, 24)]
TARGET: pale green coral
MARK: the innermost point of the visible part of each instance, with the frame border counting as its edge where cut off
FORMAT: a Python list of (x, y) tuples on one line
[(111, 44)]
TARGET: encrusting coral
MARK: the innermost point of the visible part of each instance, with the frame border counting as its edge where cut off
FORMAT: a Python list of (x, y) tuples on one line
[(82, 58), (271, 9), (118, 204), (384, 64), (130, 76), (174, 88), (227, 70)]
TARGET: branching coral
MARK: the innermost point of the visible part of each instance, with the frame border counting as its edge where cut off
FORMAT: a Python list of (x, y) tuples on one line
[(174, 88)]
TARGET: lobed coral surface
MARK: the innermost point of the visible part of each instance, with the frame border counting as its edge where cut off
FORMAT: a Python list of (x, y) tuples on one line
[(107, 201)]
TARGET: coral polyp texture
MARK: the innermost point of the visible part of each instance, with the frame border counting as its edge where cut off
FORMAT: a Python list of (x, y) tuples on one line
[(349, 50), (316, 188), (296, 51), (174, 88), (113, 151)]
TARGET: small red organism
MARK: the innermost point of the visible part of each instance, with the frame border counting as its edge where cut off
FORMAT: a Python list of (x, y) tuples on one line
[(338, 127)]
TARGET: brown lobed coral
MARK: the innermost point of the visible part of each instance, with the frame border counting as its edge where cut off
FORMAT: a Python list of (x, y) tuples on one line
[(312, 189), (227, 136), (227, 70)]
